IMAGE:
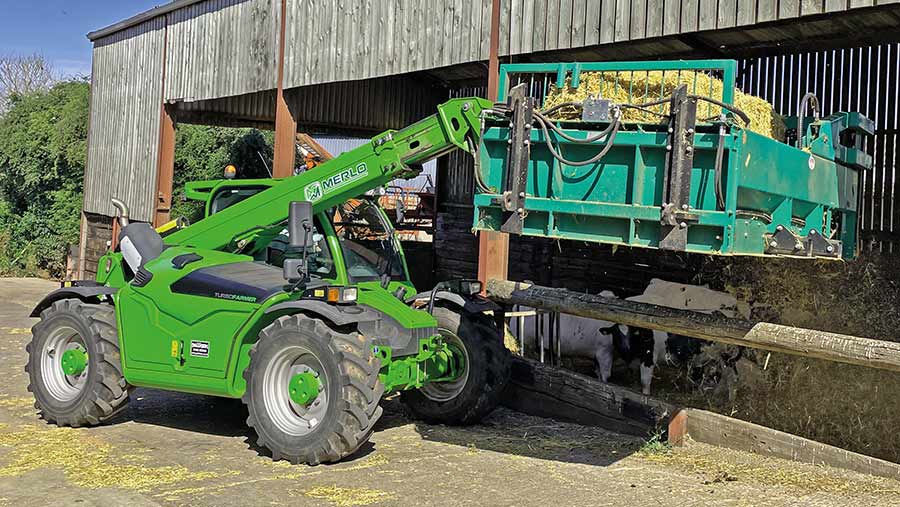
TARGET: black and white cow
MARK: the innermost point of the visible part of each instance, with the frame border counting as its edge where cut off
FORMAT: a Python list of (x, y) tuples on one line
[(602, 341)]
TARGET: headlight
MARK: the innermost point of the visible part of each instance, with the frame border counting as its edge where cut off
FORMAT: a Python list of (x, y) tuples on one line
[(337, 294)]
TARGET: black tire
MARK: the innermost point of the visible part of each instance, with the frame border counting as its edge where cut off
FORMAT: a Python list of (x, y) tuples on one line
[(103, 392), (488, 372), (352, 390)]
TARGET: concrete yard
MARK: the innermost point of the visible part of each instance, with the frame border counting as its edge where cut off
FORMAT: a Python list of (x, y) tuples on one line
[(175, 449)]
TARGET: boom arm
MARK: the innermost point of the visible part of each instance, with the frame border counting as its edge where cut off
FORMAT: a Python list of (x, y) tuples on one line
[(383, 159)]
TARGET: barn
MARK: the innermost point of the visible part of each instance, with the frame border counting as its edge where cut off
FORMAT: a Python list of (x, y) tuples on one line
[(360, 67)]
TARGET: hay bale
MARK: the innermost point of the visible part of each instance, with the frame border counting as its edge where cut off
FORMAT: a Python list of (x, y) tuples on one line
[(648, 86)]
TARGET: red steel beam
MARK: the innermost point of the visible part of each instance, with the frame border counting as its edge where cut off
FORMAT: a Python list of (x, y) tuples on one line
[(165, 168), (165, 162), (493, 247), (285, 123)]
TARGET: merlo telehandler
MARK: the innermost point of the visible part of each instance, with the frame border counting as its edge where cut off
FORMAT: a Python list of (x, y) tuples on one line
[(292, 295)]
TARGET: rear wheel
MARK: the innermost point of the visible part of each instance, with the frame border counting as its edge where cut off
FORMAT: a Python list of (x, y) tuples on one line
[(73, 364), (485, 372), (312, 392)]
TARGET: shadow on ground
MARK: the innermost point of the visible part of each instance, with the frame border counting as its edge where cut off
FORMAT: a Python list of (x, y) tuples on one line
[(509, 432), (504, 431)]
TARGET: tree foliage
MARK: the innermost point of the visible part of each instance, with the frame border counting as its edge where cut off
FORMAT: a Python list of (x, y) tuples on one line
[(201, 153), (43, 148), (43, 142)]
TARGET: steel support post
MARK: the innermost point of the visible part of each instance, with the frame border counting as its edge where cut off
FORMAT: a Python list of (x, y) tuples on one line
[(285, 123), (165, 161), (165, 167), (493, 247)]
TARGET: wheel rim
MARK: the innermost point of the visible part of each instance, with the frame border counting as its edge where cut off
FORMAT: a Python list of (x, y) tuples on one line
[(291, 417), (446, 391), (61, 386)]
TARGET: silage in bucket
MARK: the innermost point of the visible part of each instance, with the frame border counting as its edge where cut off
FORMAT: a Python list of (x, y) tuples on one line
[(637, 87)]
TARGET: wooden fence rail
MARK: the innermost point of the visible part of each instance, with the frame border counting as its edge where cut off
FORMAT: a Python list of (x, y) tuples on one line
[(773, 337)]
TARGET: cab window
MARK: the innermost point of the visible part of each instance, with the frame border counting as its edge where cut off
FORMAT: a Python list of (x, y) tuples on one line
[(367, 242)]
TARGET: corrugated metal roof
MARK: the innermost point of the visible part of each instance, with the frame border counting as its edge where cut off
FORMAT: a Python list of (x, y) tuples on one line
[(126, 93)]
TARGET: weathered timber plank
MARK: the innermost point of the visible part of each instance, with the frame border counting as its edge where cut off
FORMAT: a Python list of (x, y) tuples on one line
[(767, 10), (671, 17), (716, 429), (773, 337), (746, 12), (608, 21), (708, 16), (545, 391)]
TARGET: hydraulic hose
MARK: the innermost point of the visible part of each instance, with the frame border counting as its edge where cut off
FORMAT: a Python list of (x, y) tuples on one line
[(720, 155), (809, 98), (593, 160), (476, 168)]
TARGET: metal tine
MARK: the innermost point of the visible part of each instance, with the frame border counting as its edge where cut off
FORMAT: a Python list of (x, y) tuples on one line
[(662, 107), (631, 89), (646, 87)]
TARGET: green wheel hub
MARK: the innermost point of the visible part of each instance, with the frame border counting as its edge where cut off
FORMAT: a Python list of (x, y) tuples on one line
[(74, 362), (304, 388)]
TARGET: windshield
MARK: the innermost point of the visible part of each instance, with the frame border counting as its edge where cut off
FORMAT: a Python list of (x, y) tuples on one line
[(230, 196), (367, 242)]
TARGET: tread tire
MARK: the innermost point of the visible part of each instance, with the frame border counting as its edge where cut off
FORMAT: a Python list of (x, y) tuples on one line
[(489, 371), (105, 392), (354, 387)]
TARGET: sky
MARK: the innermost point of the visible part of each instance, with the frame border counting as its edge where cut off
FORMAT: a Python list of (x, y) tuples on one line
[(58, 28)]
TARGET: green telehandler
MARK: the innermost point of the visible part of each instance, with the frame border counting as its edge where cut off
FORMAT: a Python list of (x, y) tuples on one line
[(310, 335)]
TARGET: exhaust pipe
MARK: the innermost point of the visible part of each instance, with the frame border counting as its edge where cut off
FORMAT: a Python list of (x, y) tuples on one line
[(122, 212)]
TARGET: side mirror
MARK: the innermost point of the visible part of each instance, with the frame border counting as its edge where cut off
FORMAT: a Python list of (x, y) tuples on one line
[(300, 227), (300, 223), (293, 270)]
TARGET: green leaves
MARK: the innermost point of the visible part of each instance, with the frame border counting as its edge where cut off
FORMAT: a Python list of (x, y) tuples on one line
[(201, 153), (43, 146), (43, 151)]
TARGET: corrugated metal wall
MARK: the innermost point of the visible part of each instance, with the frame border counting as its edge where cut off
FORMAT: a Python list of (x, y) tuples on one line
[(562, 24), (221, 48), (251, 109), (126, 94), (358, 39), (864, 79)]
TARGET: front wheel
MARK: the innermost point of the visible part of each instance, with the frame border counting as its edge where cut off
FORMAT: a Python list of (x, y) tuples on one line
[(477, 390), (312, 392), (74, 368)]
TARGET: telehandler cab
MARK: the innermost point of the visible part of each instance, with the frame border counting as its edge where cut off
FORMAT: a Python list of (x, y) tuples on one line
[(310, 346)]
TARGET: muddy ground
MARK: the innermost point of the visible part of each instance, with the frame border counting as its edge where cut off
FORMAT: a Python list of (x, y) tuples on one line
[(175, 449)]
